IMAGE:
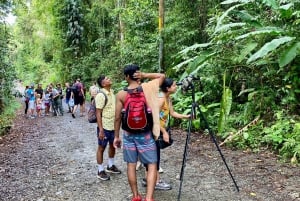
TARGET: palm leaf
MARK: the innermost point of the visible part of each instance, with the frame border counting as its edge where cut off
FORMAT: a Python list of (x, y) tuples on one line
[(270, 46)]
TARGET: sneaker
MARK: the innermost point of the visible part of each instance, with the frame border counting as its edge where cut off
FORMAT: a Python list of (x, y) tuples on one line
[(138, 198), (113, 169), (144, 182), (161, 185), (161, 170), (103, 176), (138, 165)]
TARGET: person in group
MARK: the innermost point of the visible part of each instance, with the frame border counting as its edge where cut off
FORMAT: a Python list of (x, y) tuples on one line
[(38, 105), (31, 102), (59, 99), (168, 87), (46, 100), (78, 95), (39, 90), (141, 145), (93, 90), (54, 96), (68, 96), (26, 99), (105, 112)]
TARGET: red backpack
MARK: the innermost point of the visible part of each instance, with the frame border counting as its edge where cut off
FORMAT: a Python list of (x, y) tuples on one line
[(136, 115)]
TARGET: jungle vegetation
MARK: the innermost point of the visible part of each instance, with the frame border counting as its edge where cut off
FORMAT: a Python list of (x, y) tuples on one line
[(245, 52)]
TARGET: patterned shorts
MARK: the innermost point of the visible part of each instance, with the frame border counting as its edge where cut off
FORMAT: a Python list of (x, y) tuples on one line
[(140, 146)]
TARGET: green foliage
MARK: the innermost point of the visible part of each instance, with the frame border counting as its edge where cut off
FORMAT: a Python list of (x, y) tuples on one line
[(284, 136), (225, 107), (7, 116)]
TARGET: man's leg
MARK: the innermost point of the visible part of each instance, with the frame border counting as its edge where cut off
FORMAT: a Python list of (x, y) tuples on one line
[(131, 174), (151, 180), (99, 155), (111, 160)]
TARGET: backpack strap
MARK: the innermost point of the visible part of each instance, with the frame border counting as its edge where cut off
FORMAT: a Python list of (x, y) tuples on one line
[(135, 90), (105, 97)]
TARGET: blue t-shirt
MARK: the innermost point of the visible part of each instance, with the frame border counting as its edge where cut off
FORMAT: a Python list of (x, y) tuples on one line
[(30, 93)]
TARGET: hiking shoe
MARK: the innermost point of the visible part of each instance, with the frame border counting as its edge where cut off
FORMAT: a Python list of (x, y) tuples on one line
[(161, 185), (113, 169), (144, 182), (103, 176), (138, 198), (161, 170)]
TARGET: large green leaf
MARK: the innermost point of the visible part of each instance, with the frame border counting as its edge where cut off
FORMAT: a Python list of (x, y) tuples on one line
[(290, 54), (235, 1), (271, 3), (269, 47), (266, 30), (226, 27), (225, 14), (247, 49)]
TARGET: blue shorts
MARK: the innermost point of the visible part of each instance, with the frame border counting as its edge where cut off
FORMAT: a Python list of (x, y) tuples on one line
[(140, 146), (109, 137)]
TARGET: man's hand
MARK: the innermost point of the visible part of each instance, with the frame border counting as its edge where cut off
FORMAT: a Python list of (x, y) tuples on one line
[(101, 135), (117, 142)]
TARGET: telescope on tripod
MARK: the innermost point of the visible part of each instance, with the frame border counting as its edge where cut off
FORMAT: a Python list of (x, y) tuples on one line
[(188, 84)]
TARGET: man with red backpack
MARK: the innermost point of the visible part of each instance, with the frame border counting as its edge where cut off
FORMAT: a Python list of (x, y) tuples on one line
[(138, 130)]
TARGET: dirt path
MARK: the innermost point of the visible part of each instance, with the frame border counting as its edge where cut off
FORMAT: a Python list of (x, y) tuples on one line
[(53, 158)]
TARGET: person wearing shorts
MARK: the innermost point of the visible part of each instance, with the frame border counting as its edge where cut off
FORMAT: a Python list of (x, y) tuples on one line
[(105, 128), (31, 103), (141, 145), (78, 98)]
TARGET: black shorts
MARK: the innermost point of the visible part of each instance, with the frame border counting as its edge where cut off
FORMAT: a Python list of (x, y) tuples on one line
[(78, 100)]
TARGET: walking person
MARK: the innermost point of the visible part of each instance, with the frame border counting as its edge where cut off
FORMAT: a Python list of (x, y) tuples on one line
[(68, 96), (78, 95), (105, 112), (139, 145)]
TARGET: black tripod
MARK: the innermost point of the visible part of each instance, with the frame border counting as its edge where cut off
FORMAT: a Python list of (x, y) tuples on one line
[(195, 107)]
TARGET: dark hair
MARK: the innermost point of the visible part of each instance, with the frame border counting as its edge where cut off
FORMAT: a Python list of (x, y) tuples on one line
[(167, 83), (100, 79), (130, 69)]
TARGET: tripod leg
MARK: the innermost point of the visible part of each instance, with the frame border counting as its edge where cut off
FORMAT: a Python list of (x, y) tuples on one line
[(211, 133), (185, 154)]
